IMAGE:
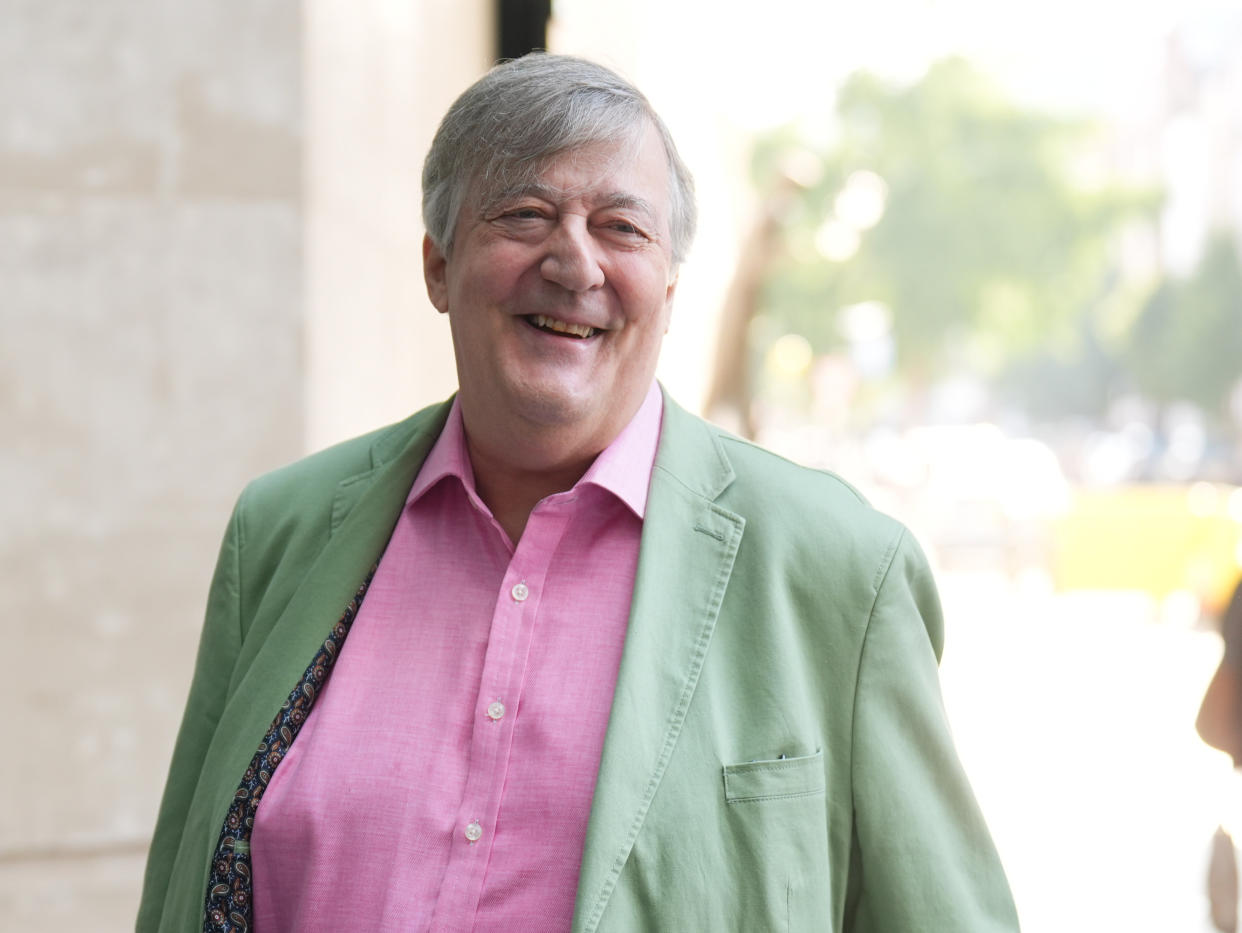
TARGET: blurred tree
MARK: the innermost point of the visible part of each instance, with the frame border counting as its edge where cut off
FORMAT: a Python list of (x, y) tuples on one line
[(954, 209), (1186, 344)]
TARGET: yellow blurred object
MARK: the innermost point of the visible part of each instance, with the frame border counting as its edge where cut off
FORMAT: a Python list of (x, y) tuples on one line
[(1158, 539), (790, 356)]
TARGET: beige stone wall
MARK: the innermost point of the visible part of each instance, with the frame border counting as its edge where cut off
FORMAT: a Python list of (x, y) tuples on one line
[(208, 214), (379, 75)]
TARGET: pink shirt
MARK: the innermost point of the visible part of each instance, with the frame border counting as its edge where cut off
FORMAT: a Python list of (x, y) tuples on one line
[(444, 777)]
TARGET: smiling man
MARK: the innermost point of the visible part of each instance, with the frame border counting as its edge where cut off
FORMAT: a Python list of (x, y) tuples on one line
[(556, 654)]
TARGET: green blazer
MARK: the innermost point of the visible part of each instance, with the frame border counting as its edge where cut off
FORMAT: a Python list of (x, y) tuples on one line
[(777, 756)]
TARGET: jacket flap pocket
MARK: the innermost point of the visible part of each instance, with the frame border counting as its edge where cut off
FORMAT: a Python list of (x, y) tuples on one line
[(775, 778)]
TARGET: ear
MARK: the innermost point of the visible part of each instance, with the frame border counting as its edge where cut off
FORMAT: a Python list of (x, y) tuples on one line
[(668, 298), (435, 274)]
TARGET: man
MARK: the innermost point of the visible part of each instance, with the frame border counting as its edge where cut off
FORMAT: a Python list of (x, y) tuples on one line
[(1219, 724), (607, 668)]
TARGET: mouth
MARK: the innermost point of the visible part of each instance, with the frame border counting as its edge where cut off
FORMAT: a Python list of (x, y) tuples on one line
[(550, 325)]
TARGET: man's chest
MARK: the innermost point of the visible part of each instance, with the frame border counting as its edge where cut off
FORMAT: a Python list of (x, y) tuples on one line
[(459, 736)]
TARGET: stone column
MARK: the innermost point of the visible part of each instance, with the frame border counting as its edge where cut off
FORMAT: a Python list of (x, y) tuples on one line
[(379, 75)]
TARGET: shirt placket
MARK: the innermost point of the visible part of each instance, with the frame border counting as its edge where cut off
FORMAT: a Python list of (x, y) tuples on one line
[(496, 706)]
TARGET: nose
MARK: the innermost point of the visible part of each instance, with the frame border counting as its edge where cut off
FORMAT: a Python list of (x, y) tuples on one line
[(571, 260)]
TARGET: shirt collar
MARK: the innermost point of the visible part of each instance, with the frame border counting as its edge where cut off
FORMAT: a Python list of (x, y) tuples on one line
[(623, 468)]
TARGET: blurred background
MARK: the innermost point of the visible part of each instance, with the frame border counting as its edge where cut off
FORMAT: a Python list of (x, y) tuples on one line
[(983, 260)]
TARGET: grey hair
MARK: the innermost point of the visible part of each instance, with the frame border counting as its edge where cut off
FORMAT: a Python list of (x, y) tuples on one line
[(503, 127)]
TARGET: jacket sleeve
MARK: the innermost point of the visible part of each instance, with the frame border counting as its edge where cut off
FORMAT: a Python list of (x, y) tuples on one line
[(217, 654), (922, 860)]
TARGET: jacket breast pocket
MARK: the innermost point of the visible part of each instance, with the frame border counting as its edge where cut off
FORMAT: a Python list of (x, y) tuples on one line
[(774, 779), (777, 819)]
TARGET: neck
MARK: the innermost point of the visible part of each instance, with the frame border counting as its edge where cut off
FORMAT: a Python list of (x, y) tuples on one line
[(512, 491)]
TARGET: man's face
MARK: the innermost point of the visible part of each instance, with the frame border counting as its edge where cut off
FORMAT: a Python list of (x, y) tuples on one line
[(559, 295)]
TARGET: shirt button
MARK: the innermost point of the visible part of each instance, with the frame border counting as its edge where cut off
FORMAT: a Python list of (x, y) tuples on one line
[(474, 832), (495, 710), (519, 592)]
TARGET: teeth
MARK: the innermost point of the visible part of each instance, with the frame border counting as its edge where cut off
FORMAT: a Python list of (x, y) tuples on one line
[(561, 327)]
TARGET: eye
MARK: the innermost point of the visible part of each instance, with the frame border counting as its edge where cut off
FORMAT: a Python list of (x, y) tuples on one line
[(625, 229), (516, 213)]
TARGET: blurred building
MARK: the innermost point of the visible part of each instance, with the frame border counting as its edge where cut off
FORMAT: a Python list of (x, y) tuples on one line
[(1199, 132)]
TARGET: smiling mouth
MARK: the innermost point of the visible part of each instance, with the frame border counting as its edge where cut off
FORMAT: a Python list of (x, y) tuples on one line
[(551, 325)]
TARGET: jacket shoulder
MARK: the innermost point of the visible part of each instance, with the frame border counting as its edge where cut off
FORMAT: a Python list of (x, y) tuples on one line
[(777, 490), (307, 487), (284, 518), (754, 463), (814, 529), (789, 509)]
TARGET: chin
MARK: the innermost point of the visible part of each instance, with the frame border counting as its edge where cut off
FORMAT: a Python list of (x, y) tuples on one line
[(554, 408)]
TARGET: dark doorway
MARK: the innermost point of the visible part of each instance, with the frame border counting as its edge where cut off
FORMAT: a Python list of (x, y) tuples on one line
[(521, 26)]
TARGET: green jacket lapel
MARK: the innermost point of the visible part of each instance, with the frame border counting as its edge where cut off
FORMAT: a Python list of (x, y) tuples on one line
[(688, 547)]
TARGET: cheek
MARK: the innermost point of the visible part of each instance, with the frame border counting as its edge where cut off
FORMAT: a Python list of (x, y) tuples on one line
[(647, 339), (645, 294), (661, 314), (489, 276), (504, 269), (468, 328)]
